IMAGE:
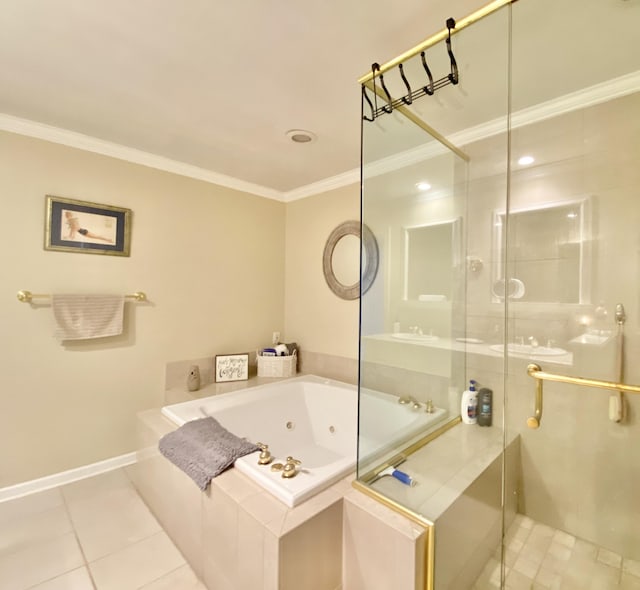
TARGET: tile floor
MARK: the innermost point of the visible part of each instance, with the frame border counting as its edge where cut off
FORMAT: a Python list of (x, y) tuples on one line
[(97, 534), (94, 534), (539, 557)]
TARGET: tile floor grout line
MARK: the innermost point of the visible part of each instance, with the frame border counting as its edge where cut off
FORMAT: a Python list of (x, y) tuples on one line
[(75, 534), (163, 575)]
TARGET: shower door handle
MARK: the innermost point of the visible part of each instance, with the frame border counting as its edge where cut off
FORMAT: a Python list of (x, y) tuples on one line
[(534, 421), (539, 375)]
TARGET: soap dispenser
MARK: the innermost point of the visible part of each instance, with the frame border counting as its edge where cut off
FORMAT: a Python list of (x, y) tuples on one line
[(469, 404)]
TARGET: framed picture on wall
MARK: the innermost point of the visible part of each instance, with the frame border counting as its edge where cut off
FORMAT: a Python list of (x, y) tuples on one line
[(89, 228), (232, 367)]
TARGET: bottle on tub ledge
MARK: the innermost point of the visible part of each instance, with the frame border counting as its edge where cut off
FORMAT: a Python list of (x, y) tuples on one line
[(485, 406), (469, 404)]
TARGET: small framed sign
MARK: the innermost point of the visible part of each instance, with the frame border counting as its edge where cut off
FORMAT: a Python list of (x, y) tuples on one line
[(90, 228), (232, 367)]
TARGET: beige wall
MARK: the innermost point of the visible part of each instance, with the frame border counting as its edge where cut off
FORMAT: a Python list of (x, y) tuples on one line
[(316, 318), (209, 258)]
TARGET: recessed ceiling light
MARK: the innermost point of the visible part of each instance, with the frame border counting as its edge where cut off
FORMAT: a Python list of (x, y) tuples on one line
[(423, 186), (526, 160), (301, 136)]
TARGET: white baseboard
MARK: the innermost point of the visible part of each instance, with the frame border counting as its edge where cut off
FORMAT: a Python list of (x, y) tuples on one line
[(64, 477)]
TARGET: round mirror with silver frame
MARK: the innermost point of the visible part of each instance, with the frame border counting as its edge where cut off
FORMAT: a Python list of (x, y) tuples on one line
[(369, 259)]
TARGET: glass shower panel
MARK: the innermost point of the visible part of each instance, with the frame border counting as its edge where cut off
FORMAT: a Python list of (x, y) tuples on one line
[(409, 315), (430, 322), (572, 263)]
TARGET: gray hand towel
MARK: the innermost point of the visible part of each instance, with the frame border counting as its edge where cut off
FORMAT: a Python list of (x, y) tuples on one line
[(203, 449)]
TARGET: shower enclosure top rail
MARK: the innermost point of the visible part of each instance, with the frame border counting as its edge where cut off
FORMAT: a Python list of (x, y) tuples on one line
[(437, 38)]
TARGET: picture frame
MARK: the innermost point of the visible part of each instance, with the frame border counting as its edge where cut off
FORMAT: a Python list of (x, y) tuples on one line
[(231, 367), (89, 228)]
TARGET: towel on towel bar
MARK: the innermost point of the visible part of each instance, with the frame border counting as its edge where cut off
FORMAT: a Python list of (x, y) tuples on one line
[(203, 448), (87, 316)]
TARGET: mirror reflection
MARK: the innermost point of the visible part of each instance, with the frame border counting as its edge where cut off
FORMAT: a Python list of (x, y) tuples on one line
[(345, 260), (547, 254), (431, 253)]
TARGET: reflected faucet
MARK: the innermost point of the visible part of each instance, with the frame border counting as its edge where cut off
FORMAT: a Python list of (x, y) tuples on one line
[(533, 341), (410, 400)]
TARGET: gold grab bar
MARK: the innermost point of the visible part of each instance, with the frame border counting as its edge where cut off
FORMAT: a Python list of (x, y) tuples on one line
[(534, 370), (28, 296), (534, 421)]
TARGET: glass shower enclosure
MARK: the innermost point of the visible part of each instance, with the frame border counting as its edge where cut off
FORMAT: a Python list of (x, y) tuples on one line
[(505, 207)]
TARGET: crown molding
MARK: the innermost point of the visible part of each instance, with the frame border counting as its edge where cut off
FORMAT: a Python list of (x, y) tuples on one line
[(586, 97), (121, 152), (322, 186)]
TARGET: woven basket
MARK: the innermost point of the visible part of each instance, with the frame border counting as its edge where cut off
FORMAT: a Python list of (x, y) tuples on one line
[(277, 366)]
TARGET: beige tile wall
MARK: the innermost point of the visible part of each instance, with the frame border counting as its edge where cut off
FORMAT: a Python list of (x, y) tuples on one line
[(236, 535), (470, 530), (382, 549)]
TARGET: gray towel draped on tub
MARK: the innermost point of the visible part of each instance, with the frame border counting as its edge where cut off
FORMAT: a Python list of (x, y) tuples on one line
[(203, 448)]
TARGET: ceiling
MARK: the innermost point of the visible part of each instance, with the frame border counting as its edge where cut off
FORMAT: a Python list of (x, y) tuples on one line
[(209, 83), (211, 88)]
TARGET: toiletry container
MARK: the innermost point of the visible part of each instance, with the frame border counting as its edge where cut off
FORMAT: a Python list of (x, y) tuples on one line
[(485, 406), (281, 350), (469, 404)]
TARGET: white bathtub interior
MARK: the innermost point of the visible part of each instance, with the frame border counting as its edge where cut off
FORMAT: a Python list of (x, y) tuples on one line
[(311, 419)]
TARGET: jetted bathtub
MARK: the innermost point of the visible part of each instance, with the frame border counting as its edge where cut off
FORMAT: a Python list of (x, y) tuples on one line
[(312, 419)]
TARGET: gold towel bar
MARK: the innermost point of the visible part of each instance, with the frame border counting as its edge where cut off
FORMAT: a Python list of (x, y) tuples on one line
[(28, 296), (539, 375)]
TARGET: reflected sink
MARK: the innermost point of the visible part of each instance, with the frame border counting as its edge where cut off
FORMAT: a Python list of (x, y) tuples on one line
[(414, 337), (590, 339), (528, 350)]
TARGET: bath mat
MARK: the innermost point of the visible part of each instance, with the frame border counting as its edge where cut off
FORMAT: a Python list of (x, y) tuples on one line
[(203, 449)]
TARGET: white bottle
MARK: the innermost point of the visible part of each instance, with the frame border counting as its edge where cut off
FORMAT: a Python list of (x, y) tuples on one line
[(469, 404)]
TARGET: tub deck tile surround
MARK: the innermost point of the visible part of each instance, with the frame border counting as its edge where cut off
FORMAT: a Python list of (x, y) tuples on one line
[(237, 535), (445, 468), (331, 522), (382, 549), (312, 363)]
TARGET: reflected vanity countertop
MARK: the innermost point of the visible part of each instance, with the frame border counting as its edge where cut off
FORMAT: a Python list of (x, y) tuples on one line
[(477, 346)]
